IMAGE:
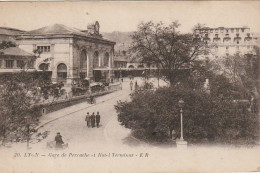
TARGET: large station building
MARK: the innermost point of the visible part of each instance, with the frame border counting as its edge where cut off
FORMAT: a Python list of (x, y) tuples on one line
[(69, 53)]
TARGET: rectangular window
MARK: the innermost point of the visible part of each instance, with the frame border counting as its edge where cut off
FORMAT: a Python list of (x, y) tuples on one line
[(44, 48), (232, 30), (237, 30), (9, 63), (20, 64)]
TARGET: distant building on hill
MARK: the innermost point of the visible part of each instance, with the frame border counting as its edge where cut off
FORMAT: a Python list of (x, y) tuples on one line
[(8, 34), (225, 41)]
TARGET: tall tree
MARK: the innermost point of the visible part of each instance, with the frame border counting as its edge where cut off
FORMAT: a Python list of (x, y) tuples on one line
[(19, 92), (242, 70), (168, 48)]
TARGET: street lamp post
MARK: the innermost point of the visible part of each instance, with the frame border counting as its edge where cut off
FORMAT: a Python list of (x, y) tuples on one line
[(181, 143), (27, 120), (181, 104), (158, 75)]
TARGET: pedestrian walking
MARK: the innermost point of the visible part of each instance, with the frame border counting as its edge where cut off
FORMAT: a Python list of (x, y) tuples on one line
[(59, 141), (93, 120), (97, 119), (136, 85), (87, 119), (131, 85)]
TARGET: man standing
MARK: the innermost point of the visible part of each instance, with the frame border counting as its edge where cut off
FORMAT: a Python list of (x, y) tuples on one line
[(97, 119), (136, 85), (93, 120), (87, 119), (59, 141), (131, 85)]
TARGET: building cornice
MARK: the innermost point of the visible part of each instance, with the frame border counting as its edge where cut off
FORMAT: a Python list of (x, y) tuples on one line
[(51, 36)]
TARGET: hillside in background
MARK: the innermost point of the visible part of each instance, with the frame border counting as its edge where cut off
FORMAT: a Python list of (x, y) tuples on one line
[(122, 39)]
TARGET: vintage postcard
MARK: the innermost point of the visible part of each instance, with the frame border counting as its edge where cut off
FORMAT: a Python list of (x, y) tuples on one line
[(141, 86)]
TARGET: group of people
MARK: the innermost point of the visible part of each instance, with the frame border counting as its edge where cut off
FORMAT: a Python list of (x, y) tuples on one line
[(132, 84), (93, 120)]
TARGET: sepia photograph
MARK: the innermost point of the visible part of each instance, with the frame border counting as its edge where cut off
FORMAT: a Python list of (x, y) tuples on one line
[(130, 87)]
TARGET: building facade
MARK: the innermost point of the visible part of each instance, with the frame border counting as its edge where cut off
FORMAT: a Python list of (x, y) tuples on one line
[(14, 59), (224, 41), (70, 54)]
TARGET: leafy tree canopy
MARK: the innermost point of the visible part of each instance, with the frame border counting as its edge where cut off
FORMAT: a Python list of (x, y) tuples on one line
[(166, 47)]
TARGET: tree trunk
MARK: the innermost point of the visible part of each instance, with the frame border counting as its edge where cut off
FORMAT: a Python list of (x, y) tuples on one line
[(170, 134)]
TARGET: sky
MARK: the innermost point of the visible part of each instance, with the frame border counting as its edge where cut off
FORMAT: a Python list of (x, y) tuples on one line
[(125, 16)]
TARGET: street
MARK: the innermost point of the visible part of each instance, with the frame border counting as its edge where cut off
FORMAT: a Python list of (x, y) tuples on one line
[(113, 147)]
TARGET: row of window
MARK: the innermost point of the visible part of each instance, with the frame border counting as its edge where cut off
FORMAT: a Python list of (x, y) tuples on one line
[(10, 64), (226, 35), (44, 48), (232, 30), (227, 47)]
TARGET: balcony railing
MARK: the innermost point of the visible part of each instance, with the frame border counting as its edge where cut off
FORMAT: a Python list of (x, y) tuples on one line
[(237, 38), (206, 39), (248, 38)]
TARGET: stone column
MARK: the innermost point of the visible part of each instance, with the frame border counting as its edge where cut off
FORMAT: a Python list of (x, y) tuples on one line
[(70, 65), (15, 63), (111, 60), (2, 63), (52, 56), (90, 63), (53, 68)]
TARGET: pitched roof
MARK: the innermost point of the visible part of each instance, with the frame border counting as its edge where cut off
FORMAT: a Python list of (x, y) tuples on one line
[(15, 51), (56, 29), (59, 29)]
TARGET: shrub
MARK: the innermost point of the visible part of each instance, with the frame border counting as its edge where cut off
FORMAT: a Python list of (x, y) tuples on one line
[(154, 116)]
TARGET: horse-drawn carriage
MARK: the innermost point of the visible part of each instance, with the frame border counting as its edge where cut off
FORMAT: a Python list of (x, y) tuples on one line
[(85, 87)]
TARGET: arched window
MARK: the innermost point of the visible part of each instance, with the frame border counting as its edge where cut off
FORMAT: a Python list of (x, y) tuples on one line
[(106, 60), (43, 66), (83, 60), (96, 60), (62, 72), (130, 66)]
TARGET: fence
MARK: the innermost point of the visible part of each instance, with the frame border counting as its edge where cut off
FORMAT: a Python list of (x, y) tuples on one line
[(47, 107)]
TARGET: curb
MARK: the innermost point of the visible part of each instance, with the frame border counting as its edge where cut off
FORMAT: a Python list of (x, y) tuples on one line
[(39, 126)]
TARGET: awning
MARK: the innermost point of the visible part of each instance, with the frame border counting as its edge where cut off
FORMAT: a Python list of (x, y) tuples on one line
[(103, 69), (94, 84), (87, 78)]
